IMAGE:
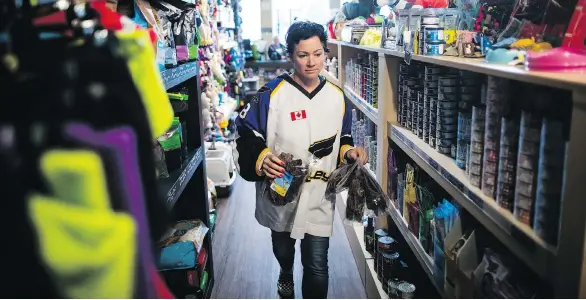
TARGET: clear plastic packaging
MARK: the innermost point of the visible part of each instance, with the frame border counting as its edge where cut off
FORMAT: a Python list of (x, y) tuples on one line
[(160, 163), (287, 189), (364, 192)]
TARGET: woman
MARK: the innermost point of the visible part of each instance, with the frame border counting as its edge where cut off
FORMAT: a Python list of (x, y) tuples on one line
[(276, 49), (302, 114)]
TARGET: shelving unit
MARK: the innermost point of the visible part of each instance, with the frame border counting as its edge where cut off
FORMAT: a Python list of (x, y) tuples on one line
[(172, 187), (185, 191), (364, 260), (175, 76), (424, 259), (365, 108), (563, 266)]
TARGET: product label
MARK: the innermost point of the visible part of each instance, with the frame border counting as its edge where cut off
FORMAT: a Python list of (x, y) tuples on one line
[(281, 185)]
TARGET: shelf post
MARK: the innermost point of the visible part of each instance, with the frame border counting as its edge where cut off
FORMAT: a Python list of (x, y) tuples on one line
[(570, 275), (387, 99)]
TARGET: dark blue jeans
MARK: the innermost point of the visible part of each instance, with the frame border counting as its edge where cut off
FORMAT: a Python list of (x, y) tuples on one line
[(314, 258)]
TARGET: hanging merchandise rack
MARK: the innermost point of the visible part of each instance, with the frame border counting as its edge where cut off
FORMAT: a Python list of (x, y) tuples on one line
[(560, 265), (106, 57)]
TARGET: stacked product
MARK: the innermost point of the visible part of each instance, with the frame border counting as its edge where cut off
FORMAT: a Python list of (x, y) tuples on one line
[(362, 77), (549, 180), (496, 106), (474, 169), (431, 35), (378, 234), (470, 91), (507, 161), (447, 114), (430, 103), (527, 160), (408, 79), (364, 133)]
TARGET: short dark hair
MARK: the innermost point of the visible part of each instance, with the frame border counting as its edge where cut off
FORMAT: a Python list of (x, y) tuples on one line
[(303, 30)]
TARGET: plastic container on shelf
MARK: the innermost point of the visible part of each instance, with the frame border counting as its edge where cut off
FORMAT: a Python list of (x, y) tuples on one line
[(557, 59)]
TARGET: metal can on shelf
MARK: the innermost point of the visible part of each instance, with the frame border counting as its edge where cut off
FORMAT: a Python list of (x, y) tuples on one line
[(387, 265), (406, 290), (384, 245)]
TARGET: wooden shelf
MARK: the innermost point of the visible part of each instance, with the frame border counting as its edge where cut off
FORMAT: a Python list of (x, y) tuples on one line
[(518, 237), (562, 266), (564, 80), (367, 109)]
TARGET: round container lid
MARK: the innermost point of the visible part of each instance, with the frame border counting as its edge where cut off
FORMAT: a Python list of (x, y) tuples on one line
[(386, 240), (381, 232), (394, 255), (406, 287)]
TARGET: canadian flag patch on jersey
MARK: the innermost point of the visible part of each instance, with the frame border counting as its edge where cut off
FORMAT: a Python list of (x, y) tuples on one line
[(298, 115)]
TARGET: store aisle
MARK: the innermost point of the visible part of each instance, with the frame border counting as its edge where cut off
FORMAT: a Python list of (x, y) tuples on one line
[(244, 262)]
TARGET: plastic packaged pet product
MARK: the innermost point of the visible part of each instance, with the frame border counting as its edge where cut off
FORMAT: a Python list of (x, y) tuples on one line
[(400, 192), (166, 45), (191, 34), (180, 245), (160, 163), (410, 196), (287, 189), (180, 37), (550, 176), (392, 175), (363, 191), (497, 98)]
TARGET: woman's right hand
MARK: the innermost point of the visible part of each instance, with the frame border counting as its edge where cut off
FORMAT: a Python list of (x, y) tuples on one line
[(272, 166)]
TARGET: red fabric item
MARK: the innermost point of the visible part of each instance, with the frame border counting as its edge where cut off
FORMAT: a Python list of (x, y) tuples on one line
[(161, 289), (110, 19), (575, 36)]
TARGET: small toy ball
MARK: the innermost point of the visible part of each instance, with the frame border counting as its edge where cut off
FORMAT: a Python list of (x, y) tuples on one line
[(224, 123)]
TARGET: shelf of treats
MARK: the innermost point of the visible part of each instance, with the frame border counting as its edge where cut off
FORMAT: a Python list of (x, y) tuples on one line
[(363, 106), (424, 259), (170, 188), (331, 78), (379, 286), (368, 259), (179, 74), (563, 80), (518, 237)]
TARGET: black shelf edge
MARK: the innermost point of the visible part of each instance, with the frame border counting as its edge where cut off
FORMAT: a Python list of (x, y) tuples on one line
[(175, 76), (209, 288), (171, 188)]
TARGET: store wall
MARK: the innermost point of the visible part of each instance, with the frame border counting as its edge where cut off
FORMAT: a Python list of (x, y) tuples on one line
[(264, 19)]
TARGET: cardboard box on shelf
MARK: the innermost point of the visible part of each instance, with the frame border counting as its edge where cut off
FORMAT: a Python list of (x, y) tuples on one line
[(461, 262)]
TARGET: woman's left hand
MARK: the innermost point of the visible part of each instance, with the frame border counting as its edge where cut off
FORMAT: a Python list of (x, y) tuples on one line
[(357, 154)]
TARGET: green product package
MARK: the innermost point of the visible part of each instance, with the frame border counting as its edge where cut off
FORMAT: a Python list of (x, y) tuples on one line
[(172, 139), (204, 281), (193, 49), (178, 96)]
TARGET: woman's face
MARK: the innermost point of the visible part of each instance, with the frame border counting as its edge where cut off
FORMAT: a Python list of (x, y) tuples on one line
[(309, 57)]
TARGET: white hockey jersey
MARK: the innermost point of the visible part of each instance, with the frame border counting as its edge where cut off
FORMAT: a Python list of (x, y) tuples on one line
[(284, 117)]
